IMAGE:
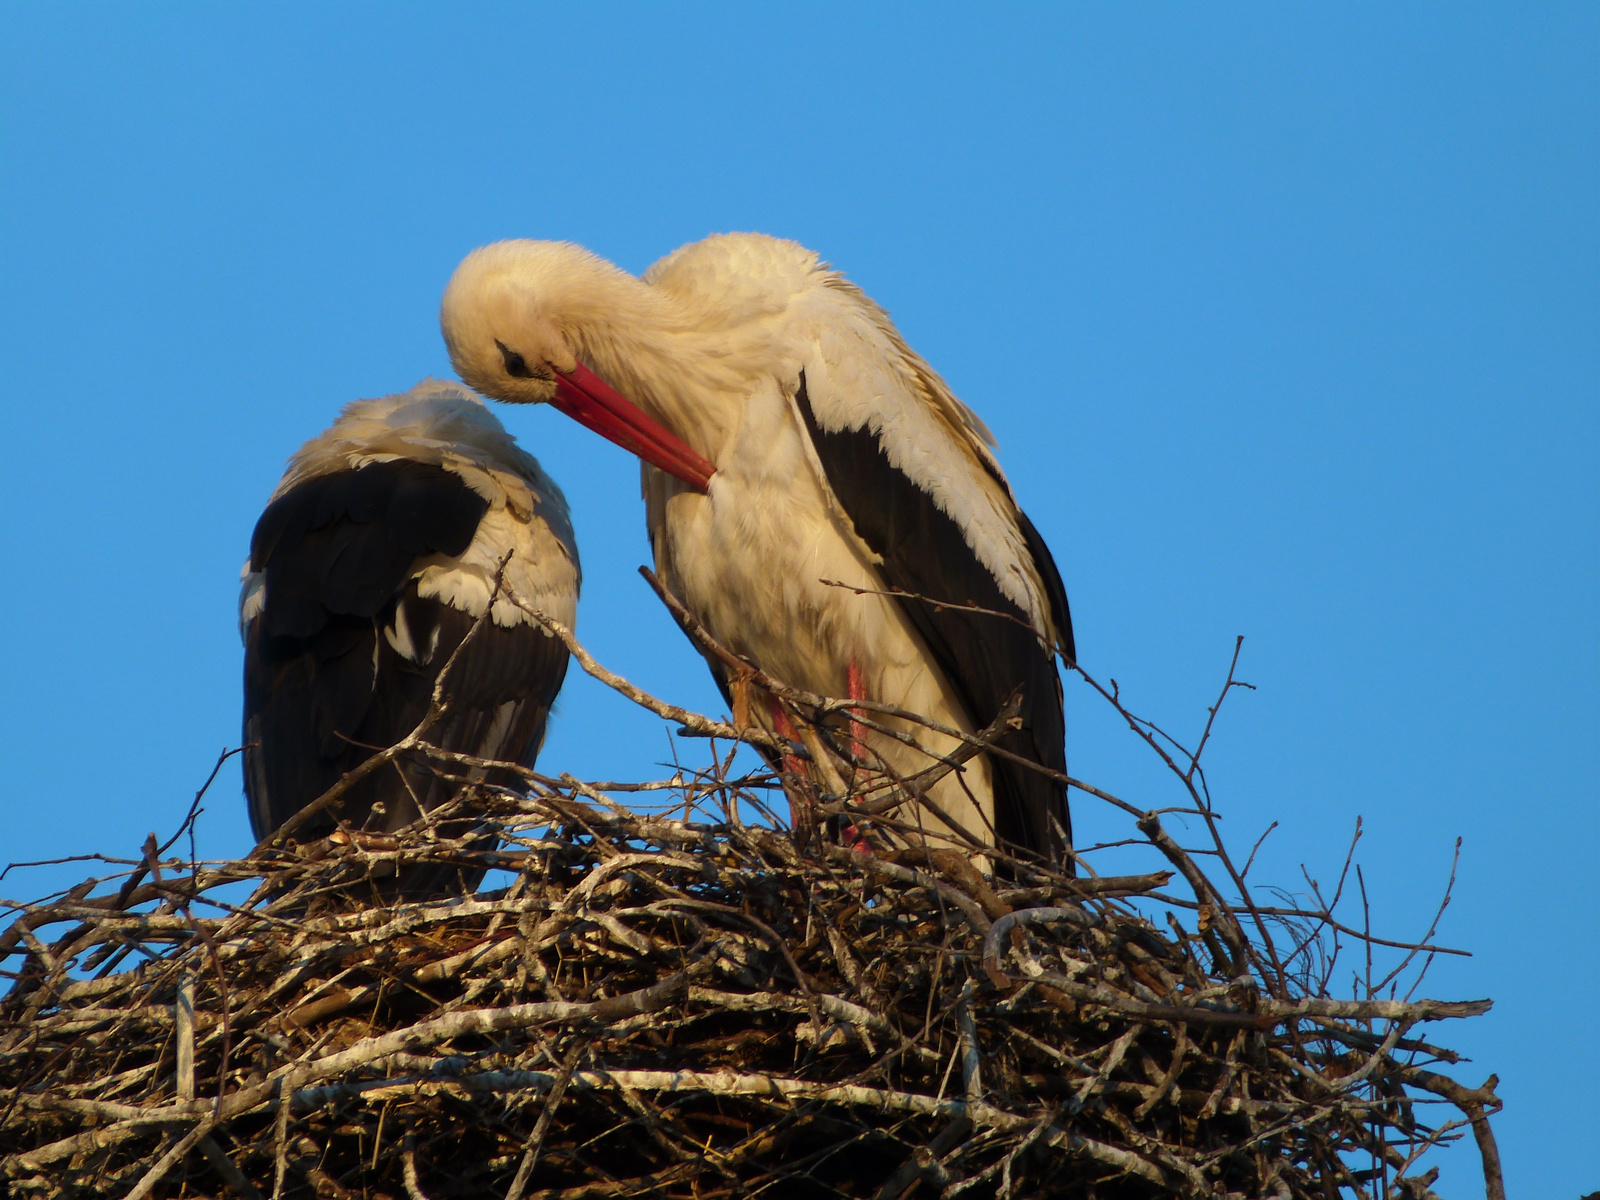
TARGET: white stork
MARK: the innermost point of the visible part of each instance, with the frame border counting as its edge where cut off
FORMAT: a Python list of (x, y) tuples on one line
[(375, 556), (792, 438)]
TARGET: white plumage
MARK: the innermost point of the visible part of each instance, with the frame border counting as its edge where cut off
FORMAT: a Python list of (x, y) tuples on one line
[(838, 454)]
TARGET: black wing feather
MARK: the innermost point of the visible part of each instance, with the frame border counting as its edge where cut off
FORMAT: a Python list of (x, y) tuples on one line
[(324, 686), (1056, 591), (984, 657)]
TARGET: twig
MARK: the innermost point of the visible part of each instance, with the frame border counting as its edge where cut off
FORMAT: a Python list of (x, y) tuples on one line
[(408, 1157)]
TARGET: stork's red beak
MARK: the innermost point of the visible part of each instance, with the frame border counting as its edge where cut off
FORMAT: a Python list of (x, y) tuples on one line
[(594, 404)]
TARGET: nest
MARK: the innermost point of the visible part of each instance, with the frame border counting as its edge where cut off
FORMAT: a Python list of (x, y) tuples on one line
[(685, 1001)]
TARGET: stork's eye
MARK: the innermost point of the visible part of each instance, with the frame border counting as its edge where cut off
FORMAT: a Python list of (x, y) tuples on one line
[(515, 364)]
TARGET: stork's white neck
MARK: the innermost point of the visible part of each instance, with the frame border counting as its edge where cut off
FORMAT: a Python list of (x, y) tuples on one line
[(686, 369), (688, 349)]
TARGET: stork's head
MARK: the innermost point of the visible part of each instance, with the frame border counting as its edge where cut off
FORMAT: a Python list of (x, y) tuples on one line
[(516, 316), (502, 317)]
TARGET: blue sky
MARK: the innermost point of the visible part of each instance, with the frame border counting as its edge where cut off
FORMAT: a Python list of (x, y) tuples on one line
[(1285, 318)]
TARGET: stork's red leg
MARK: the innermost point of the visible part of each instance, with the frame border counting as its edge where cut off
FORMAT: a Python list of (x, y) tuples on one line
[(856, 690), (784, 728)]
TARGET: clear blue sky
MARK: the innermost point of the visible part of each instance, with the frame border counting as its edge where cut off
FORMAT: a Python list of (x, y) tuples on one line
[(1285, 317)]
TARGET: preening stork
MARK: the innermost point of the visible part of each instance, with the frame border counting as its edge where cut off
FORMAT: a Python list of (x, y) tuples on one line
[(792, 438), (376, 555)]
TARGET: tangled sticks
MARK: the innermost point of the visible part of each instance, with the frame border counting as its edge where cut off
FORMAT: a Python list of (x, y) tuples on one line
[(701, 1005)]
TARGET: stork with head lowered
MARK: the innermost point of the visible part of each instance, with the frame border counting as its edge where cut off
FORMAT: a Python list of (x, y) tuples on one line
[(794, 442)]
